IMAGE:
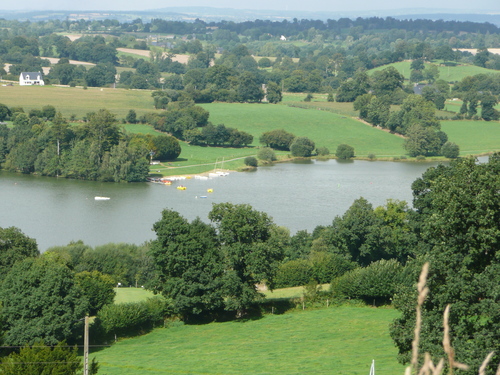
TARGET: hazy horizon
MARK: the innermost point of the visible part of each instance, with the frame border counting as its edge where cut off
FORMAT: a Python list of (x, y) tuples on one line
[(454, 6)]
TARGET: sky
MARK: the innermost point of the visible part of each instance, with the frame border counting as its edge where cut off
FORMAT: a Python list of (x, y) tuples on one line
[(310, 5)]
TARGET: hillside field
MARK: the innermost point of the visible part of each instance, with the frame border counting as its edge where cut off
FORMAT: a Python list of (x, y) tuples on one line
[(448, 73), (325, 128), (337, 340)]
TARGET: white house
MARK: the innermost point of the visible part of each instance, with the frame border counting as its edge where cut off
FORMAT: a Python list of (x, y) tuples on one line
[(31, 78)]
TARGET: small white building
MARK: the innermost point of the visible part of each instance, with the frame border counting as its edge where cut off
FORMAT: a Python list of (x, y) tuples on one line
[(31, 78), (283, 38)]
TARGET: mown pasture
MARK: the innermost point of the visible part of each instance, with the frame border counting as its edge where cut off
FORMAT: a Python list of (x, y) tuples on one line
[(76, 100), (126, 295), (339, 340), (473, 137), (325, 128)]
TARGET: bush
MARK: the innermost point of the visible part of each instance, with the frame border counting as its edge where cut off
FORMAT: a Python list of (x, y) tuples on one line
[(420, 157), (130, 319), (323, 151), (266, 154), (308, 98), (302, 147), (345, 152), (294, 273), (327, 266), (371, 156), (450, 150), (377, 282), (251, 161)]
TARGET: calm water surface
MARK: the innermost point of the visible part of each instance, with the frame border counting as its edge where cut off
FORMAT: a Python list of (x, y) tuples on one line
[(296, 195)]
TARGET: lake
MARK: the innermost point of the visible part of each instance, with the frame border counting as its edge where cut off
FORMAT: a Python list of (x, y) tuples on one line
[(297, 195)]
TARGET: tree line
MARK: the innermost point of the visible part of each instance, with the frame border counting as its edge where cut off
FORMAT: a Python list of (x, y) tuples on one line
[(43, 142)]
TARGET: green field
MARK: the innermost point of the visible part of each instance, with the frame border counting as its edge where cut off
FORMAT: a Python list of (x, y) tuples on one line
[(473, 137), (125, 295), (325, 128), (337, 340), (448, 73), (76, 100)]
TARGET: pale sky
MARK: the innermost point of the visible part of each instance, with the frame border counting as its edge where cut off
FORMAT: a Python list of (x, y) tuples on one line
[(311, 5)]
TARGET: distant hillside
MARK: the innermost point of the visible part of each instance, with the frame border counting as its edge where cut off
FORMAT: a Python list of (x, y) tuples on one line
[(491, 18)]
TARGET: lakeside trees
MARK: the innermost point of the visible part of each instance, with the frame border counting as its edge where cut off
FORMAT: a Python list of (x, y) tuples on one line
[(205, 269)]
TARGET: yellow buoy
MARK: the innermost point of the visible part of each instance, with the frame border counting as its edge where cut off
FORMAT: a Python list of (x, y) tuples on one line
[(210, 190)]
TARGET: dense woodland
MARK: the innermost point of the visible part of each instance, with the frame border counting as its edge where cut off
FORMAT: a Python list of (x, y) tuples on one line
[(208, 270)]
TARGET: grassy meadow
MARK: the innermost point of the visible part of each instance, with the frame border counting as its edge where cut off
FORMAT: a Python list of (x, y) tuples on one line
[(337, 340), (473, 137), (76, 100), (325, 128), (125, 295)]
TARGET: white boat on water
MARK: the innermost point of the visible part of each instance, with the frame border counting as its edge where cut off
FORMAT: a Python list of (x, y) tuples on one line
[(102, 198)]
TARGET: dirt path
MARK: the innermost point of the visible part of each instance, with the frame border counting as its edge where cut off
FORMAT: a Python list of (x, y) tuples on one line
[(379, 128)]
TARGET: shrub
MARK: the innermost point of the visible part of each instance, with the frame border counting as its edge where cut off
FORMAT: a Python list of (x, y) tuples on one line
[(302, 147), (129, 319), (371, 156), (327, 266), (345, 152), (450, 150), (294, 273), (251, 161), (377, 282), (323, 151), (420, 157), (330, 98), (308, 98), (266, 154)]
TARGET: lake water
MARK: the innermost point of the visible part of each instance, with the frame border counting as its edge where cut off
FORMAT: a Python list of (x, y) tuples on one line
[(296, 195)]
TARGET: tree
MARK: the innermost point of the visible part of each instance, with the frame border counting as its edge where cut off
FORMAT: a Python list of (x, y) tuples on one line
[(251, 161), (248, 88), (97, 288), (302, 147), (131, 117), (273, 93), (352, 88), (267, 154), (189, 263), (103, 129), (386, 81), (14, 247), (344, 152), (249, 256), (422, 141), (457, 217), (166, 147), (488, 112), (450, 150), (40, 300), (278, 139), (4, 112)]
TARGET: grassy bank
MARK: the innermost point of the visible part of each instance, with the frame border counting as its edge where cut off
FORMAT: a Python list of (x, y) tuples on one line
[(339, 340)]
